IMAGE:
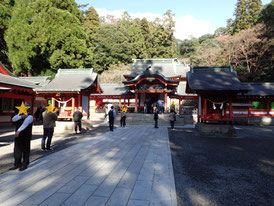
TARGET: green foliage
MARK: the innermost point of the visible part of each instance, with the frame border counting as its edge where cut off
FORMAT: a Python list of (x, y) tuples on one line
[(188, 47), (91, 22), (246, 14), (111, 47), (5, 10), (267, 15), (241, 15), (221, 31), (254, 8), (44, 35)]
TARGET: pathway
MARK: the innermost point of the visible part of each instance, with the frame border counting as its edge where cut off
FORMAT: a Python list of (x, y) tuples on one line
[(130, 166)]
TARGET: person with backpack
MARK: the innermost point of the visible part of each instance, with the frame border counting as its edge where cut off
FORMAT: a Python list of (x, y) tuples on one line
[(111, 116)]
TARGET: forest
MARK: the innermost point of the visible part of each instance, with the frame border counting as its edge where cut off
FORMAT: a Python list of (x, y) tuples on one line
[(39, 37)]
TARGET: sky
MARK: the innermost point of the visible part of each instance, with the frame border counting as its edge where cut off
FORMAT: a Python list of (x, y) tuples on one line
[(194, 18)]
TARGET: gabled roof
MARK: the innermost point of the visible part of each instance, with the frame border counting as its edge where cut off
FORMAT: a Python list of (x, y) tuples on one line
[(261, 88), (201, 79), (70, 80), (39, 81), (15, 81), (167, 67), (149, 72), (114, 89)]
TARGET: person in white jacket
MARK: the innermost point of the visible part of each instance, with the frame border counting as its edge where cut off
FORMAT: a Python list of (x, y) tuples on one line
[(23, 133)]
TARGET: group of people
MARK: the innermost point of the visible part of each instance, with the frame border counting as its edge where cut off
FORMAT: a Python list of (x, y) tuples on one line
[(172, 118), (23, 134), (23, 131)]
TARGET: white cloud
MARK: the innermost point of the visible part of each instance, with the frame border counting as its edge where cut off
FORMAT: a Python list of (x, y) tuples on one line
[(186, 26)]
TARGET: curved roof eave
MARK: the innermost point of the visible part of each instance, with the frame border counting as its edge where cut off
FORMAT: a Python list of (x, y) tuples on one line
[(140, 76)]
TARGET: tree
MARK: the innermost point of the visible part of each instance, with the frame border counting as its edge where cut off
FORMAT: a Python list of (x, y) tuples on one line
[(221, 31), (241, 15), (91, 22), (5, 10), (46, 35), (111, 48), (188, 47), (250, 53), (246, 14), (254, 8)]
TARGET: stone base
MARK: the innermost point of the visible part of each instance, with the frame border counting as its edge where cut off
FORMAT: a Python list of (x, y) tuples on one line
[(216, 130)]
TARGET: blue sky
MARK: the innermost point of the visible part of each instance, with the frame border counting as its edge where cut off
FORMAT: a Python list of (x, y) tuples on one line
[(193, 17)]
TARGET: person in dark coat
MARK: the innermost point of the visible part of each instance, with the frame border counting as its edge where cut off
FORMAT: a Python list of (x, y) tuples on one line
[(23, 133), (77, 118), (156, 118), (49, 119), (111, 116)]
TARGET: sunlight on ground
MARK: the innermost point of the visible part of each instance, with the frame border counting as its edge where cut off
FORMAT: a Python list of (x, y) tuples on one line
[(199, 199)]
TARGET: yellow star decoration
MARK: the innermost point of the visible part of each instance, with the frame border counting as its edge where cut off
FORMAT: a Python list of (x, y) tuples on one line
[(124, 109), (50, 108), (23, 109)]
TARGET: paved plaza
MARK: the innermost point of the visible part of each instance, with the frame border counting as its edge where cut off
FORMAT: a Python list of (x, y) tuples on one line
[(131, 166)]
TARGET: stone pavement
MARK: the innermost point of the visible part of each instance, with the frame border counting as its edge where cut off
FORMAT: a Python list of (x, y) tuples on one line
[(131, 166)]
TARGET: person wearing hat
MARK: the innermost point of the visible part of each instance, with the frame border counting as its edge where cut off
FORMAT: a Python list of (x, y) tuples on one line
[(23, 132)]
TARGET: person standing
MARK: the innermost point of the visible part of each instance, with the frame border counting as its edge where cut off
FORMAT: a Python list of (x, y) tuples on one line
[(156, 118), (23, 133), (49, 118), (77, 118), (111, 116), (172, 118), (123, 118)]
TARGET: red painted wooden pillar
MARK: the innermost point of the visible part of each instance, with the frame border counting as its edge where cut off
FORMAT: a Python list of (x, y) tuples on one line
[(136, 99), (230, 110), (268, 108), (205, 109), (124, 102), (249, 110)]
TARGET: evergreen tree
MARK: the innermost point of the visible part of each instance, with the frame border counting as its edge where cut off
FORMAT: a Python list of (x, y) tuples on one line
[(5, 10), (111, 47), (46, 35), (145, 30), (91, 22), (254, 8), (241, 15)]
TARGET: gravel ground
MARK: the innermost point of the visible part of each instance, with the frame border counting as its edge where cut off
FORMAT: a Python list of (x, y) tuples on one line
[(224, 171)]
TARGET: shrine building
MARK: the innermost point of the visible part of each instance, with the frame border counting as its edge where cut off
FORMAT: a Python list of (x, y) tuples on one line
[(150, 80), (70, 89)]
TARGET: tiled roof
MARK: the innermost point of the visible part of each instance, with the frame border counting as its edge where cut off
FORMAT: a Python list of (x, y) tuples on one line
[(15, 81), (261, 88), (149, 72), (70, 80), (209, 79), (113, 89), (167, 67), (39, 81)]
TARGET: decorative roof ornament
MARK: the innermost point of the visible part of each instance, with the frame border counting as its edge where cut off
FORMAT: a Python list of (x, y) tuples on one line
[(23, 109)]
